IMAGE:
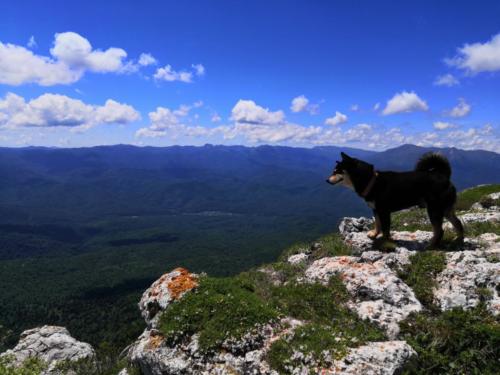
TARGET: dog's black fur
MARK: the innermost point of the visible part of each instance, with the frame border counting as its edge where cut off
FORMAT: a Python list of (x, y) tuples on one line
[(427, 186)]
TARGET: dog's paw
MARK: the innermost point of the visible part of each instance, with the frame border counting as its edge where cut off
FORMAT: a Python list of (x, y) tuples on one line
[(372, 234)]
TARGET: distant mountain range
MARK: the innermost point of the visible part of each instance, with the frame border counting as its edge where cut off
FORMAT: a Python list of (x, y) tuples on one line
[(85, 183)]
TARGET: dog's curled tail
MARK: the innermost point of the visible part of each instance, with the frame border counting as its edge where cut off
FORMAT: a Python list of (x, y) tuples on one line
[(433, 161)]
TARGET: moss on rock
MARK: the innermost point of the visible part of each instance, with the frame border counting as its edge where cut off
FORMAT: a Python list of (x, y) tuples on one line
[(218, 310)]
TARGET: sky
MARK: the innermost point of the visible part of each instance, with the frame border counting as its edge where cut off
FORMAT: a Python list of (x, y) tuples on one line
[(365, 74)]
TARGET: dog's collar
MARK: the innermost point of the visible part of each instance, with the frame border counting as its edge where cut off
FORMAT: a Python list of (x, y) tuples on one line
[(369, 187)]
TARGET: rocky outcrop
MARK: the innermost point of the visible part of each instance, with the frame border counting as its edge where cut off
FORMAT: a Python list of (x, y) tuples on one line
[(52, 345), (168, 288), (245, 356), (378, 294)]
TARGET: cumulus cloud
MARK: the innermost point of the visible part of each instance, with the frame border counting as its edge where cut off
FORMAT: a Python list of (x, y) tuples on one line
[(71, 56), (199, 69), (441, 125), (302, 104), (460, 110), (246, 111), (168, 74), (76, 51), (405, 102), (251, 123), (299, 104), (338, 119), (446, 80), (53, 110), (19, 65), (254, 124), (146, 59), (478, 57)]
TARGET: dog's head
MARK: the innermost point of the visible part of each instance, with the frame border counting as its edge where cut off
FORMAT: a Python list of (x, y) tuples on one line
[(347, 170)]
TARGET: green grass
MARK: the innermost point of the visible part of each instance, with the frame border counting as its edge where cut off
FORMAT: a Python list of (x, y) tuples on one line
[(329, 245), (32, 366), (476, 229), (421, 272), (454, 342), (470, 196), (219, 309), (331, 328), (322, 343), (411, 220)]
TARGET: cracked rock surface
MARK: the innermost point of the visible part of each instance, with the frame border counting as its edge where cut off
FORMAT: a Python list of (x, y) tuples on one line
[(50, 344), (378, 294)]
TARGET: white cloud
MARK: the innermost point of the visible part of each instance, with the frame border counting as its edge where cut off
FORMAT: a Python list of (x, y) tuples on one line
[(299, 104), (338, 119), (76, 51), (460, 110), (246, 111), (146, 59), (72, 55), (478, 57), (354, 108), (199, 69), (170, 75), (441, 125), (19, 65), (272, 134), (32, 42), (53, 110), (446, 80), (405, 102), (376, 107)]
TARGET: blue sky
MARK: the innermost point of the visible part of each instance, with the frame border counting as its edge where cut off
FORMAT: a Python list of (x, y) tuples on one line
[(363, 73)]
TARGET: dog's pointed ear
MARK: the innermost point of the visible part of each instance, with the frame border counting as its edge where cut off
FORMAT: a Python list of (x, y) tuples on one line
[(345, 156)]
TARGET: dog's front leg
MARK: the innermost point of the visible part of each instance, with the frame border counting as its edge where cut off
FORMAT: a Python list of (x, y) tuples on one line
[(385, 223), (376, 231)]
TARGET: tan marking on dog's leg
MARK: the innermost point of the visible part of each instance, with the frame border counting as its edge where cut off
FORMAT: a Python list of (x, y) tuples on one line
[(457, 225), (376, 231)]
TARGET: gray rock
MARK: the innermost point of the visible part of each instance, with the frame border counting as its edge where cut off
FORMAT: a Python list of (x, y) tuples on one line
[(375, 358), (378, 294), (297, 258), (467, 271), (50, 344), (355, 224)]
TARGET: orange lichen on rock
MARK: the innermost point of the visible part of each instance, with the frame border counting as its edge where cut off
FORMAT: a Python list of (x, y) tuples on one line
[(182, 283), (155, 341)]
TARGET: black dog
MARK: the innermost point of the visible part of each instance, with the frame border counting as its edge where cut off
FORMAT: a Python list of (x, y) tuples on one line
[(428, 186)]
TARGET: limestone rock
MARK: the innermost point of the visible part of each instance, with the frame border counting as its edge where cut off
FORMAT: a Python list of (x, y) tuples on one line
[(378, 294), (168, 288), (375, 358), (458, 285), (50, 344), (297, 258)]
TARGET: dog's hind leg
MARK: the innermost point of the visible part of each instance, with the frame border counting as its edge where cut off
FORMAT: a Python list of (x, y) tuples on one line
[(375, 232), (457, 224), (436, 217)]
